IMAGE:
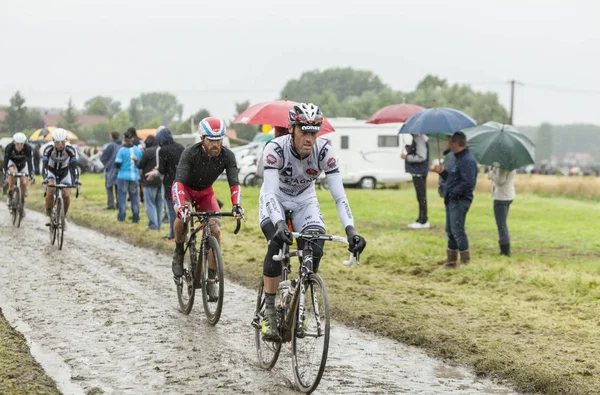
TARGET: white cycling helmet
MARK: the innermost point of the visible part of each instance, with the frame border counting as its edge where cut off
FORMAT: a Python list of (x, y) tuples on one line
[(59, 135), (19, 138), (307, 115)]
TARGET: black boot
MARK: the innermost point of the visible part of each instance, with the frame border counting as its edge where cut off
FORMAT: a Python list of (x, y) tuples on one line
[(505, 249)]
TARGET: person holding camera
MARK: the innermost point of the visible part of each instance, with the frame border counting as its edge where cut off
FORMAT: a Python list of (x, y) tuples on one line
[(417, 164)]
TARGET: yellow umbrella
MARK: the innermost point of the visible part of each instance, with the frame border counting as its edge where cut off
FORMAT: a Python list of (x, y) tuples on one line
[(46, 134)]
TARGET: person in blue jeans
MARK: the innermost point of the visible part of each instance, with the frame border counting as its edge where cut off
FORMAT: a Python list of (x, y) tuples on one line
[(128, 177), (153, 194), (503, 193), (460, 181)]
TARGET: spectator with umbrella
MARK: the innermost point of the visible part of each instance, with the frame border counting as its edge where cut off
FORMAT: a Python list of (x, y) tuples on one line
[(505, 149), (459, 179)]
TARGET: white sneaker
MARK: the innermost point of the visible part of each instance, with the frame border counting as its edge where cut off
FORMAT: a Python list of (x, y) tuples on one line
[(65, 226), (418, 225), (48, 220)]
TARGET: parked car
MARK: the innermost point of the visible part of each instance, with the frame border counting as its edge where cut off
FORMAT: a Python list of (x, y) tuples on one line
[(95, 164)]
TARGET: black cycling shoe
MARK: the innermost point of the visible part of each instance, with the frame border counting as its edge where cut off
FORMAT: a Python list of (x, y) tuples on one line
[(177, 264)]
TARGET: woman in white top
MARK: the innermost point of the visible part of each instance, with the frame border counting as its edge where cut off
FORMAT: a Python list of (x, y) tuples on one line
[(503, 193)]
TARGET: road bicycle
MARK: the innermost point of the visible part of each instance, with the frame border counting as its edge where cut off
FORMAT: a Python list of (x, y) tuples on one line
[(302, 308), (57, 215), (203, 266), (17, 206)]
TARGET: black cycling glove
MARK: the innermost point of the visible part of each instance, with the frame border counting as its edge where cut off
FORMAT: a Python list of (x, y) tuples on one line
[(282, 234), (356, 243)]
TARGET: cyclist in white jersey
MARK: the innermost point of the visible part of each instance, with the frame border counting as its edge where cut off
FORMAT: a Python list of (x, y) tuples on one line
[(292, 164), (60, 167)]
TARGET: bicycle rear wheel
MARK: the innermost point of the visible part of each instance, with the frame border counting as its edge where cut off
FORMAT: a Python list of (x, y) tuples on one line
[(310, 336), (60, 222), (213, 305), (267, 351), (186, 291), (15, 204)]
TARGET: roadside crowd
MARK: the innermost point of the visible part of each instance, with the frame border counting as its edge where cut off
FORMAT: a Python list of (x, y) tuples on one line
[(457, 179)]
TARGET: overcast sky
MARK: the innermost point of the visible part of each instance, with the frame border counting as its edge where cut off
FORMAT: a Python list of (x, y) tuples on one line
[(212, 54)]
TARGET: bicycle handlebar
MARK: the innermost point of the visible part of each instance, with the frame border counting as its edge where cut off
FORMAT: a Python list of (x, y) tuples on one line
[(208, 214), (62, 186), (317, 236)]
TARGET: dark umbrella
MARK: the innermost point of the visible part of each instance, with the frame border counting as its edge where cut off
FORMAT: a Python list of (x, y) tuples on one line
[(438, 121), (395, 113), (500, 145)]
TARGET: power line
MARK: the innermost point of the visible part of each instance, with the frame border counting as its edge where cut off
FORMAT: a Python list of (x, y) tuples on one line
[(563, 89)]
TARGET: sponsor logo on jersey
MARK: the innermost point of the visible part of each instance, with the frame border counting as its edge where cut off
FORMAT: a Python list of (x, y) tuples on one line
[(287, 171), (271, 159), (311, 172), (323, 153), (331, 162)]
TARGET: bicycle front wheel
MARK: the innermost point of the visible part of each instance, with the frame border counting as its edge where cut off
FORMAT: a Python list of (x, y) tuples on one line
[(52, 226), (21, 208), (268, 351), (310, 335), (212, 280), (60, 223), (15, 205), (186, 291)]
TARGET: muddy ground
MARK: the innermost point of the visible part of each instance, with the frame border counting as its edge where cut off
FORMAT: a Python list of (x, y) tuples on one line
[(101, 316)]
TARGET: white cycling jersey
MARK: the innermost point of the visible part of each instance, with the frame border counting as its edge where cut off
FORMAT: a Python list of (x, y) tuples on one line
[(57, 161), (289, 184)]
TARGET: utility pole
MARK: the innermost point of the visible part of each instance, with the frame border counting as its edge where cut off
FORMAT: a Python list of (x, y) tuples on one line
[(512, 100)]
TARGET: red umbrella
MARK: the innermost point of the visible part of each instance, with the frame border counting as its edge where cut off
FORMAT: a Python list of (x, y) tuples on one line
[(273, 113), (395, 113)]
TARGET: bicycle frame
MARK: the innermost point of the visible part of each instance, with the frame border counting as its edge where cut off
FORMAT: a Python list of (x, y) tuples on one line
[(204, 220), (304, 271)]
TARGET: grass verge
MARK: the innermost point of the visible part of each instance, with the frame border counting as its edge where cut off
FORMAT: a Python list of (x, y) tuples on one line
[(19, 372), (530, 319)]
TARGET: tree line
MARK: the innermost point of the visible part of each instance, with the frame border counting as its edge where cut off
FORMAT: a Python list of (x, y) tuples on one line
[(341, 92)]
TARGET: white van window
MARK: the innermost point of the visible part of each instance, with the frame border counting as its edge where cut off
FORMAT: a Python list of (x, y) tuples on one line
[(388, 141), (345, 142)]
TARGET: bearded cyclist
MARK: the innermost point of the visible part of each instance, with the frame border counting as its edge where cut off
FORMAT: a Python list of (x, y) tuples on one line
[(18, 158), (199, 167), (60, 167), (292, 164)]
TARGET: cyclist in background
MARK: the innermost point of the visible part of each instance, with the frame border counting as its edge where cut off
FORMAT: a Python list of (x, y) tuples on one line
[(199, 167), (60, 167), (18, 158)]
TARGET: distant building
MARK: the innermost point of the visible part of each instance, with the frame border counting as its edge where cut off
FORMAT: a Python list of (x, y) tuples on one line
[(578, 158), (83, 121)]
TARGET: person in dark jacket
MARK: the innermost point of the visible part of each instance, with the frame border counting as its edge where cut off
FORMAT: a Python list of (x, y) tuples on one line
[(153, 196), (169, 154), (417, 164), (110, 171), (460, 181)]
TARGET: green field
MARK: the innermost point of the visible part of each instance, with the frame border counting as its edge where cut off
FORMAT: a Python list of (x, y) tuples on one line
[(530, 319)]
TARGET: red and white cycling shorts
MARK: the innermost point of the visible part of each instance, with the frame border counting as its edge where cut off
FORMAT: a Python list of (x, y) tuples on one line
[(204, 200)]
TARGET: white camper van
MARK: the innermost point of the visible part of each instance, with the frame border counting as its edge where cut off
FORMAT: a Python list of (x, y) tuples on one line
[(369, 154)]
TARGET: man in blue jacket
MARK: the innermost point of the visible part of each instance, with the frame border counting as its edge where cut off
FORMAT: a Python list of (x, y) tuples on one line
[(460, 181), (110, 171), (128, 177)]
